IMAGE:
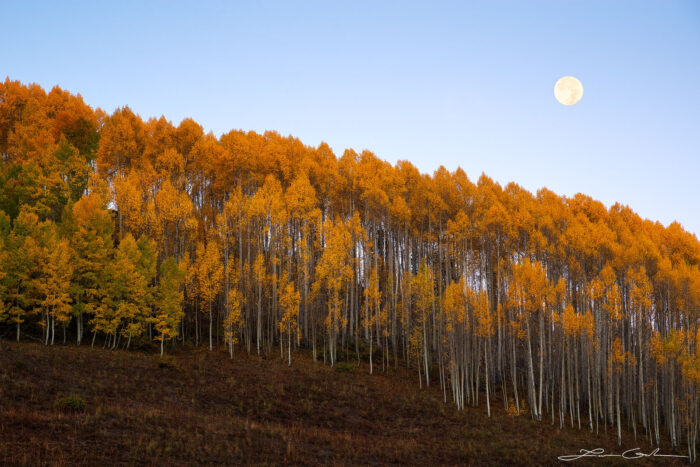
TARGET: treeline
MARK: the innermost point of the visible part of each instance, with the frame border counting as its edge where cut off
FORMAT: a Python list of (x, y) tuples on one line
[(114, 228)]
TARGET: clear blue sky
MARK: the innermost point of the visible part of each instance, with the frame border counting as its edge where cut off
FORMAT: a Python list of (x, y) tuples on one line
[(438, 83)]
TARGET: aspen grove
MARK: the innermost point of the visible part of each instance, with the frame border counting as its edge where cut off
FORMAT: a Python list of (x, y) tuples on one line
[(114, 230)]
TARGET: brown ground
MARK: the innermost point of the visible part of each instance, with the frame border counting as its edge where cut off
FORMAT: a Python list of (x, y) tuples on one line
[(203, 408)]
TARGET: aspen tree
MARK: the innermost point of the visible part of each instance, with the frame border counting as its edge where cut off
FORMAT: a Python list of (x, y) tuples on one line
[(332, 274), (91, 239), (423, 289), (289, 322), (260, 278), (169, 300), (454, 307), (57, 270), (233, 320), (22, 263), (208, 272), (479, 303), (371, 309), (528, 293)]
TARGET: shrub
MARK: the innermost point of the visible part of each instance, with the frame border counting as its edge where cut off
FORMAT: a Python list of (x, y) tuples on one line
[(143, 344), (168, 362), (345, 367), (513, 410), (70, 404)]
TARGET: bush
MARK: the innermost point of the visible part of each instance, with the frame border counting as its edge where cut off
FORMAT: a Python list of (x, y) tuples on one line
[(70, 404), (350, 352), (345, 367), (143, 344), (168, 362)]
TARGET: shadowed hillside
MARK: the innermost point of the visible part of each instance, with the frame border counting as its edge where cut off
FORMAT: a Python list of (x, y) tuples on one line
[(201, 407)]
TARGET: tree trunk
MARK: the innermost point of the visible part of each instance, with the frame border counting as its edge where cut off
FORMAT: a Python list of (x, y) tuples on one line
[(486, 364), (370, 353), (210, 328)]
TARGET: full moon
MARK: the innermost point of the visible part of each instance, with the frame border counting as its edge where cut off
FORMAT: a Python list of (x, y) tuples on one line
[(568, 90)]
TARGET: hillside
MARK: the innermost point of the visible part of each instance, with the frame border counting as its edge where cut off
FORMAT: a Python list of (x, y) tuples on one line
[(124, 231), (202, 407)]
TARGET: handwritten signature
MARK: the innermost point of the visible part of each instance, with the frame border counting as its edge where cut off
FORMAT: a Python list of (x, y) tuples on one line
[(630, 454)]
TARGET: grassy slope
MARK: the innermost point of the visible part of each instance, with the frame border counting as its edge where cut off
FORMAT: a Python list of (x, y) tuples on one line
[(208, 409)]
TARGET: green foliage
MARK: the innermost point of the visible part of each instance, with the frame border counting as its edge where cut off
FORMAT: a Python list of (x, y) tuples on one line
[(22, 258), (169, 298), (90, 229), (344, 367), (5, 225), (70, 404)]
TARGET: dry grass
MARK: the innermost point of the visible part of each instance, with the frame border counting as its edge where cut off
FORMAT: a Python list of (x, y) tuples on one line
[(201, 407)]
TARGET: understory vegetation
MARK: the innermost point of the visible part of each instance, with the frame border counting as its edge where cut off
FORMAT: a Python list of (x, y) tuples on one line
[(205, 408)]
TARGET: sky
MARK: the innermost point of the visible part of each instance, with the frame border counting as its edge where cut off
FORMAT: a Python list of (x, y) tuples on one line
[(458, 84)]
